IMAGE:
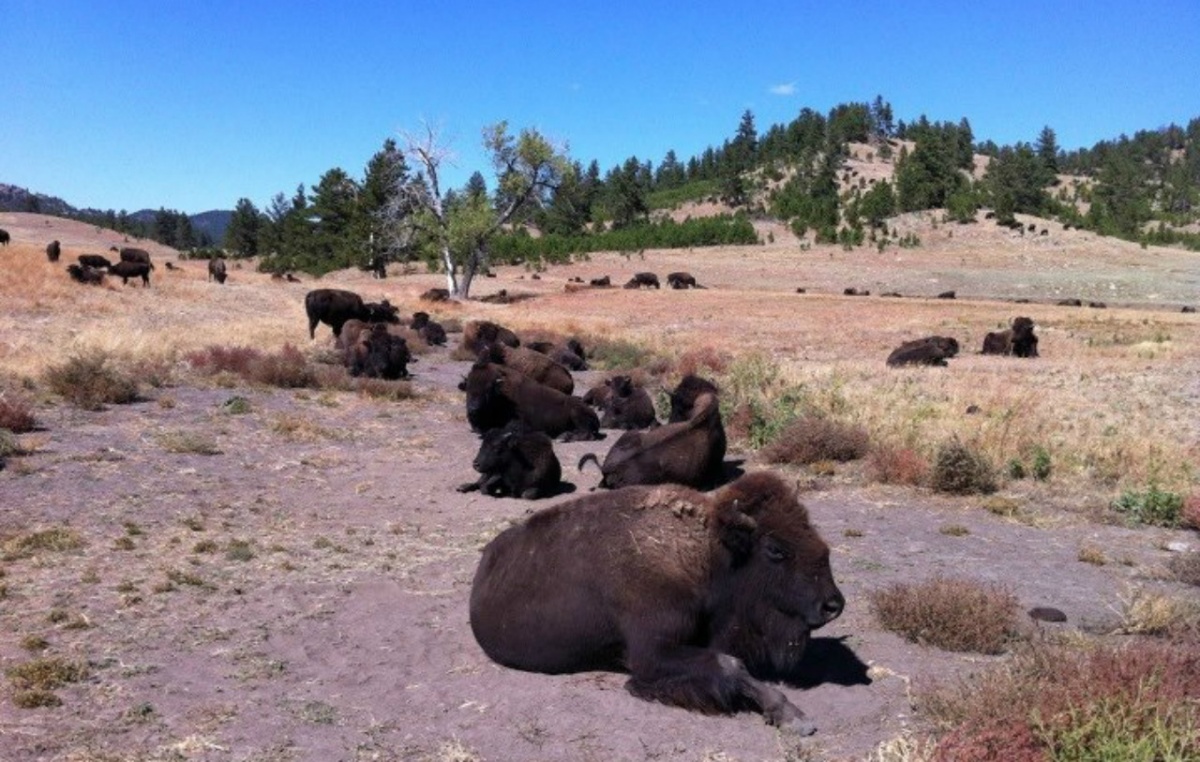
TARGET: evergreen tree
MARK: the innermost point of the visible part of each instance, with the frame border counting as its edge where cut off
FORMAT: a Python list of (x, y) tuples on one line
[(242, 237), (1047, 153), (1014, 183)]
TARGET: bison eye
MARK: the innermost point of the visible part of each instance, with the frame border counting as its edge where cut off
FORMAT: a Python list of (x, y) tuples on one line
[(776, 553)]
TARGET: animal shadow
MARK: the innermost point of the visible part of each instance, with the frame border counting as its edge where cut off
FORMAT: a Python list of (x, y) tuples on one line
[(828, 660)]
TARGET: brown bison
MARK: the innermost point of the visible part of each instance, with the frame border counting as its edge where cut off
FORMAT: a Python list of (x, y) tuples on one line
[(603, 282), (497, 395), (516, 462), (682, 280), (334, 306), (649, 280), (431, 332), (379, 354), (479, 334), (126, 270), (94, 261), (84, 274), (436, 295), (1018, 340), (53, 250), (4, 237), (536, 365), (628, 407), (931, 350), (690, 452), (855, 292), (570, 355), (216, 269), (700, 598), (947, 295), (128, 254)]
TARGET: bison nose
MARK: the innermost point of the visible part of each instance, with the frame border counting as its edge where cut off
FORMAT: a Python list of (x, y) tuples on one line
[(832, 608)]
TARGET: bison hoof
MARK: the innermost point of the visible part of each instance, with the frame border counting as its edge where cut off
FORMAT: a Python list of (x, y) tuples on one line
[(468, 487), (797, 725)]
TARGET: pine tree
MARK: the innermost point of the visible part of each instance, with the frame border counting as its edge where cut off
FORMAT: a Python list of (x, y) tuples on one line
[(1047, 153), (242, 237)]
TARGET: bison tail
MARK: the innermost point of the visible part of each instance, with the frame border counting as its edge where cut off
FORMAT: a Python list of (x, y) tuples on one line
[(589, 456)]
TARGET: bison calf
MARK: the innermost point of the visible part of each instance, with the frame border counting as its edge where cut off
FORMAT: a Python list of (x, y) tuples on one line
[(698, 597), (516, 462)]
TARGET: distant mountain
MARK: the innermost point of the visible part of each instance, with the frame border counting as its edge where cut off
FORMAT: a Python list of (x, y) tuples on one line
[(15, 199)]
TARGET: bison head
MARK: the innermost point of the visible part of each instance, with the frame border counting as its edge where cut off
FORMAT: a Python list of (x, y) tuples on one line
[(683, 399), (779, 585), (487, 406)]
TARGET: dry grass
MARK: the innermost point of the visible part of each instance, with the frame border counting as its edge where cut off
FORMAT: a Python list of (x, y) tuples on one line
[(951, 614), (962, 470), (91, 380), (812, 438), (1147, 612), (16, 412)]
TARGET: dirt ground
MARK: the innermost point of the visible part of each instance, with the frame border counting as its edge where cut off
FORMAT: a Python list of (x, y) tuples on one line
[(267, 574), (302, 593)]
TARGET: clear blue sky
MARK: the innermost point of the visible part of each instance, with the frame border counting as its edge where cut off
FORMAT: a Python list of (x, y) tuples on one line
[(193, 105)]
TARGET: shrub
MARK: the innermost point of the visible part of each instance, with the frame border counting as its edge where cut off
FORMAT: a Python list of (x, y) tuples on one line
[(959, 470), (1145, 612), (888, 464), (287, 368), (55, 539), (1186, 568), (703, 361), (1153, 506), (90, 381), (1041, 463), (951, 614), (810, 439), (1189, 516), (16, 413)]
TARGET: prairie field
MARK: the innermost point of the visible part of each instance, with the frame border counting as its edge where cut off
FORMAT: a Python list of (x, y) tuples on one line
[(224, 569)]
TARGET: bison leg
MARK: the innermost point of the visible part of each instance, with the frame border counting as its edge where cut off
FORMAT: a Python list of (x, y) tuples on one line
[(710, 681), (470, 486)]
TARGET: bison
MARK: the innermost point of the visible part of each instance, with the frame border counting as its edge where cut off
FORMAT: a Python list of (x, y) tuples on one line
[(84, 274), (571, 355), (628, 407), (95, 261), (216, 269), (436, 295), (53, 249), (649, 280), (1018, 340), (516, 462), (690, 452), (127, 254), (855, 292), (947, 295), (431, 332), (682, 280), (334, 306), (700, 598), (379, 354), (603, 282), (536, 365), (497, 395), (479, 334), (931, 350), (126, 269), (4, 237)]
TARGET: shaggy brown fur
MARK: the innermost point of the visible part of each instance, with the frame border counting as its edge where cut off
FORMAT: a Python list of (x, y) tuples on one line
[(536, 365)]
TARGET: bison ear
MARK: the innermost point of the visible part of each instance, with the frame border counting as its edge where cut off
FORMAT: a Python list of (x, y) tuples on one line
[(735, 529)]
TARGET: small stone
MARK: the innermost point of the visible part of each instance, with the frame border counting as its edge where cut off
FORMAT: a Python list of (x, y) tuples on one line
[(1047, 614)]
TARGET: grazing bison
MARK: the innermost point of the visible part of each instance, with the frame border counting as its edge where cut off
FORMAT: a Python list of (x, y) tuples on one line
[(126, 270), (698, 597), (84, 274), (947, 295), (628, 407), (516, 462), (379, 354), (216, 269), (1188, 308), (536, 365), (94, 261), (604, 282), (431, 332), (53, 249), (682, 280), (1097, 305), (4, 237), (128, 254), (690, 452), (479, 334), (643, 279), (497, 395), (1070, 303), (931, 350), (334, 306)]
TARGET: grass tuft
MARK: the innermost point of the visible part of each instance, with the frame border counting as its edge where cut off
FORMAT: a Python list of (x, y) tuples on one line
[(951, 614), (811, 439), (961, 470), (16, 413), (90, 381), (53, 540)]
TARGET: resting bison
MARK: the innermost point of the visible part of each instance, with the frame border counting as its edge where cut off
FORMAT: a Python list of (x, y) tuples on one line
[(947, 295), (126, 270), (684, 397), (535, 365), (94, 261), (628, 406), (334, 306), (698, 597), (497, 395), (571, 355), (379, 354), (1070, 303), (436, 295), (643, 279), (1019, 340), (516, 462), (53, 250), (85, 274), (1187, 308), (479, 334), (682, 280), (604, 282), (216, 269), (690, 452), (931, 350), (128, 254), (432, 333), (4, 237), (855, 292)]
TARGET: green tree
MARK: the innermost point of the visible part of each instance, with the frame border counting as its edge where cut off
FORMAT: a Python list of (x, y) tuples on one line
[(878, 204), (1014, 183), (1047, 153), (245, 230)]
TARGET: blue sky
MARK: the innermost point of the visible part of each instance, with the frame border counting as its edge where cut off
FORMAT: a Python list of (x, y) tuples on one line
[(191, 105)]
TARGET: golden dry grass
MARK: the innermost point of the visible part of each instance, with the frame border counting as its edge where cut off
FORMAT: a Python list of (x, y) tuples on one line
[(1113, 398)]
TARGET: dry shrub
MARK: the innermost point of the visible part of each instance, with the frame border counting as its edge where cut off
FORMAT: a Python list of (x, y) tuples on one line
[(16, 413), (1146, 612), (46, 674), (1186, 568), (287, 368), (811, 439), (90, 380), (215, 359), (1189, 516), (890, 464), (952, 614), (382, 389), (55, 539), (1136, 701), (702, 361), (960, 470)]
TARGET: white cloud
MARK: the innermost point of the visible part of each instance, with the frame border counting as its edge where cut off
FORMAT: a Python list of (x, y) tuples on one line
[(788, 88)]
